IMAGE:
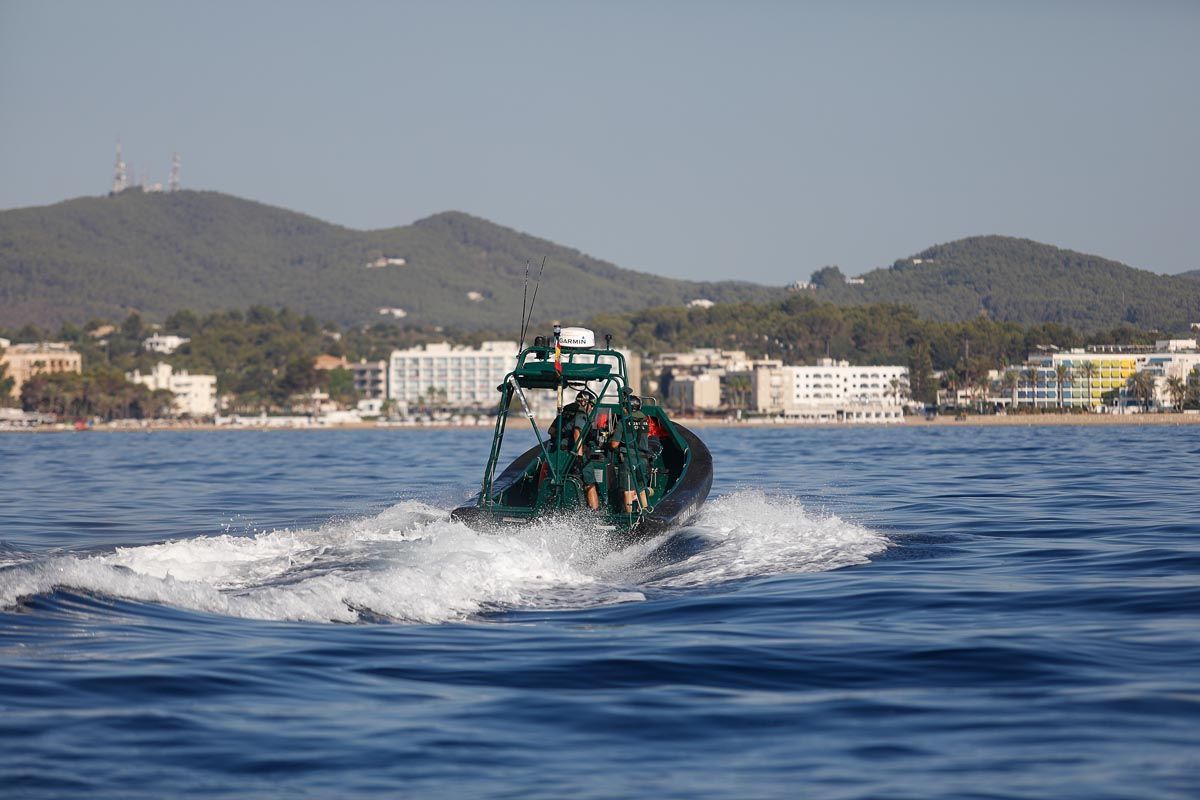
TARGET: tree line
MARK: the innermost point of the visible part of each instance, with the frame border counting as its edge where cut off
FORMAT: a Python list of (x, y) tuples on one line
[(800, 329), (263, 357)]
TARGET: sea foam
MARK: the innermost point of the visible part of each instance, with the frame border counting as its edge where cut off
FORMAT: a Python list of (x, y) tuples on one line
[(412, 563)]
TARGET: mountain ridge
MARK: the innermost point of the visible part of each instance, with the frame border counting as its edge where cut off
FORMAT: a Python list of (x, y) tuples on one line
[(103, 257), (157, 253), (1011, 278)]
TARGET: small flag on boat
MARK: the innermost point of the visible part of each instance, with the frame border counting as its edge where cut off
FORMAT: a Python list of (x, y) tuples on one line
[(557, 357)]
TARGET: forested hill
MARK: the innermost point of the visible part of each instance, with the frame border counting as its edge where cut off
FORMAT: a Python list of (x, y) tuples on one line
[(103, 257), (1193, 275), (1023, 281)]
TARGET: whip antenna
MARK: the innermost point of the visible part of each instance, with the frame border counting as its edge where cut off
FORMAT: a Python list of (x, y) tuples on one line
[(534, 300), (524, 296)]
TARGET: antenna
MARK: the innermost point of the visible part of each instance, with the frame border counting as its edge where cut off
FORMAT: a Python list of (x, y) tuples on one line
[(524, 299), (534, 300), (173, 181), (120, 178)]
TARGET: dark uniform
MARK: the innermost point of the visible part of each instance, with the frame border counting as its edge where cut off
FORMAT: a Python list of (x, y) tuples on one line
[(595, 459), (635, 455), (573, 418)]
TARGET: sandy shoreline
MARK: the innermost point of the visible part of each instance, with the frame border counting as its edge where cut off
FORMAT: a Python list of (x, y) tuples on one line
[(947, 421), (1015, 420), (1027, 420)]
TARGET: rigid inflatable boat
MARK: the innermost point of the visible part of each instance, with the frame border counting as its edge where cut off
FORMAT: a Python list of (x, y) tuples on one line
[(623, 462)]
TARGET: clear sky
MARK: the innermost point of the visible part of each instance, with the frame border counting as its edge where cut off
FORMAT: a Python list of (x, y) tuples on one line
[(754, 140)]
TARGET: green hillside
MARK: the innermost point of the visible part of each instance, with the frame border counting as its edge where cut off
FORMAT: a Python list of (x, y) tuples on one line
[(1023, 281), (1193, 275), (103, 257)]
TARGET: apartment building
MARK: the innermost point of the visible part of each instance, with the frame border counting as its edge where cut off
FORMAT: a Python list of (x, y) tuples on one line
[(831, 391), (695, 392), (1100, 376), (447, 374), (459, 376), (701, 378), (23, 361), (195, 395), (370, 379)]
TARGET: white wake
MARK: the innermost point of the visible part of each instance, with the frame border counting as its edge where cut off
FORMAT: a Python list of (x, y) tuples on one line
[(412, 563)]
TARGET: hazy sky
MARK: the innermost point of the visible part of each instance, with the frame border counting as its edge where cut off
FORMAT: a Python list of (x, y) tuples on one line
[(691, 139)]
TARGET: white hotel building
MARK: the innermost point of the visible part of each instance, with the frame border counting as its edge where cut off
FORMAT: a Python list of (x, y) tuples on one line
[(456, 376), (831, 391), (195, 395), (446, 374)]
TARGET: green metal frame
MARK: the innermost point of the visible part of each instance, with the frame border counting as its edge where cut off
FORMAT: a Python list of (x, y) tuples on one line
[(535, 369)]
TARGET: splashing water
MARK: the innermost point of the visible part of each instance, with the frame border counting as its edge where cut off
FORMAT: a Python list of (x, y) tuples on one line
[(411, 563)]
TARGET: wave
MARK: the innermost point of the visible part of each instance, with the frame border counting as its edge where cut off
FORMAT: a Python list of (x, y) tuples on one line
[(412, 563)]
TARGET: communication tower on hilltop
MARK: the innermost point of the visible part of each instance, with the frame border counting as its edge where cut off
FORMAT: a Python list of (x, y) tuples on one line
[(120, 178), (173, 181)]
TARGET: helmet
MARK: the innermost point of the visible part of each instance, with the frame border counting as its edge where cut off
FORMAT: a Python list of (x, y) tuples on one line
[(635, 402), (585, 396)]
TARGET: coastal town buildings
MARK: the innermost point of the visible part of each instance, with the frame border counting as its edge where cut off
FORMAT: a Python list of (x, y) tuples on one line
[(195, 395), (370, 379), (704, 359), (831, 391), (708, 378), (446, 374), (1094, 378), (164, 343), (23, 361), (327, 362), (695, 392), (386, 261), (1103, 377)]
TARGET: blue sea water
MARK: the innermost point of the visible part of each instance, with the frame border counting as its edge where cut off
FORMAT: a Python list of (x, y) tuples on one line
[(858, 613)]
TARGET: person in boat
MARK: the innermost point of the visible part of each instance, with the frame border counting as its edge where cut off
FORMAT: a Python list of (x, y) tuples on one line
[(634, 453), (592, 462), (572, 421)]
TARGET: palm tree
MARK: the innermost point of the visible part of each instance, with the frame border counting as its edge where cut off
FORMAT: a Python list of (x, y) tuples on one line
[(1010, 381), (7, 382), (1141, 386), (951, 378), (738, 387), (1178, 391), (1031, 378), (1062, 378), (981, 385), (1089, 370)]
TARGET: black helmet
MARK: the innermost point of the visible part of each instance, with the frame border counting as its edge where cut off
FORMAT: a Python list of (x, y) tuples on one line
[(635, 402)]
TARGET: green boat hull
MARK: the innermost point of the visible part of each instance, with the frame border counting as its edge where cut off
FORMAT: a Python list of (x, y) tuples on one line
[(682, 478)]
